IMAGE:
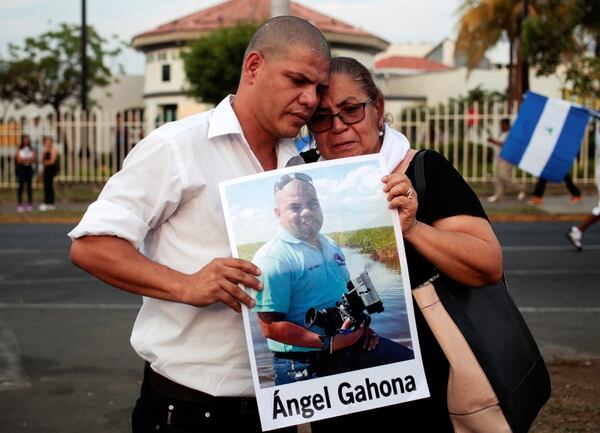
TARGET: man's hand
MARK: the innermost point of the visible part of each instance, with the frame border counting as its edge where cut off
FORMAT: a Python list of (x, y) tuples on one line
[(218, 282), (117, 262), (371, 340), (341, 341)]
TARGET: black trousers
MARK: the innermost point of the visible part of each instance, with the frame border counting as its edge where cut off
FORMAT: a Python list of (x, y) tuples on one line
[(540, 186), (24, 176), (49, 187), (177, 409)]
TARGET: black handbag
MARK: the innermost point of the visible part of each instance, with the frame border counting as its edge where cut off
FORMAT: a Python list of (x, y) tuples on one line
[(498, 379)]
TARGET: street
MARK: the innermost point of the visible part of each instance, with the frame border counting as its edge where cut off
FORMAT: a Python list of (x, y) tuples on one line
[(66, 365)]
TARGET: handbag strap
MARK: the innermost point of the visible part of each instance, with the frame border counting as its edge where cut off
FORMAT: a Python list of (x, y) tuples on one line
[(420, 183)]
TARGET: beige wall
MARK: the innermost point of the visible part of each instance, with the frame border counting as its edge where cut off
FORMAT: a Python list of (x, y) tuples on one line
[(364, 58), (153, 72), (438, 87)]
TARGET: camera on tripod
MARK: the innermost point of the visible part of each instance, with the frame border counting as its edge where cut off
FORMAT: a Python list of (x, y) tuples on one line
[(361, 296)]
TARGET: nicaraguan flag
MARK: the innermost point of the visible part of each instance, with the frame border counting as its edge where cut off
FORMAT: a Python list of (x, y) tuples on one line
[(546, 136)]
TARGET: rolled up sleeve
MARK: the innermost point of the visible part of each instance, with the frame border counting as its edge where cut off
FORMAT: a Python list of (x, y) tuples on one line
[(139, 197)]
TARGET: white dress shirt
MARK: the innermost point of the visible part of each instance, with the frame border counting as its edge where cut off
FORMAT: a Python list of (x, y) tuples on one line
[(166, 201)]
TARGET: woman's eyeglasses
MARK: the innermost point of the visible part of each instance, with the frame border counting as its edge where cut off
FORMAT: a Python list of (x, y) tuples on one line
[(350, 114), (287, 178)]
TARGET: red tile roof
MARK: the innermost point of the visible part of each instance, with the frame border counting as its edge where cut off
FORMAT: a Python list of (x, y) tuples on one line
[(230, 12), (405, 62)]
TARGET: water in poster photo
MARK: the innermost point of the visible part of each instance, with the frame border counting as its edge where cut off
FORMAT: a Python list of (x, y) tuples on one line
[(333, 328)]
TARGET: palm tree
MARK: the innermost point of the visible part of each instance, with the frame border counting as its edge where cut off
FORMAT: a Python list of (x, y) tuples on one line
[(484, 23)]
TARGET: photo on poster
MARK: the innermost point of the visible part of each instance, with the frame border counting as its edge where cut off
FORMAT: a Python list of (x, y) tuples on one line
[(333, 329)]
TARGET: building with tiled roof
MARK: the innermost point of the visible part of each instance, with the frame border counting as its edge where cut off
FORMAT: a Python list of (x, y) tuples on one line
[(164, 73), (406, 65)]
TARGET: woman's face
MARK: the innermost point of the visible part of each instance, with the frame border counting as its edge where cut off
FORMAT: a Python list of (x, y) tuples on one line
[(342, 140)]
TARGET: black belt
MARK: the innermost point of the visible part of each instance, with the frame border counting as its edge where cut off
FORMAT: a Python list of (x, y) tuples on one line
[(313, 355), (174, 390)]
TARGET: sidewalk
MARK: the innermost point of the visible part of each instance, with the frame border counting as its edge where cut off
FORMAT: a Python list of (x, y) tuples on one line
[(554, 208)]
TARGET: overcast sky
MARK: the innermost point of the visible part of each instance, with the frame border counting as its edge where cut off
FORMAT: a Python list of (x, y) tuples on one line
[(394, 20)]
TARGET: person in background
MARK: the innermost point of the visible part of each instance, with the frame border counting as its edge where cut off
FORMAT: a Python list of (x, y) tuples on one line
[(449, 234), (121, 134), (575, 233), (540, 188), (50, 164), (503, 170), (158, 230), (24, 163), (35, 130)]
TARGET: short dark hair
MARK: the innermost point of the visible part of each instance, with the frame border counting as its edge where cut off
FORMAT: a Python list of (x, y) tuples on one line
[(359, 73), (277, 35)]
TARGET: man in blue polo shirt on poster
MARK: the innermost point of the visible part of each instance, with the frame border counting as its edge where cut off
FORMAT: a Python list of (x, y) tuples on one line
[(303, 269)]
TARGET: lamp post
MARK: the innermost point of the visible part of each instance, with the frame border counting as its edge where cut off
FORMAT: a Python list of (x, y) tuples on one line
[(84, 65)]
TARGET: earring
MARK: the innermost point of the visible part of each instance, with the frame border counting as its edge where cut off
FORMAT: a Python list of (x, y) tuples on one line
[(380, 133)]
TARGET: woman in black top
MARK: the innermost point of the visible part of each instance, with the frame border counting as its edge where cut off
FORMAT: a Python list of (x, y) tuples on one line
[(50, 163), (450, 233), (24, 160)]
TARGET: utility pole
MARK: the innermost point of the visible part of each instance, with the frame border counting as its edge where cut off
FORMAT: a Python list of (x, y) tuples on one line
[(524, 63), (280, 7), (84, 65)]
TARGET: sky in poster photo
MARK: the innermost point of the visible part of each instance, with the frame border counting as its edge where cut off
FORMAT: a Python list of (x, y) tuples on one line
[(342, 189)]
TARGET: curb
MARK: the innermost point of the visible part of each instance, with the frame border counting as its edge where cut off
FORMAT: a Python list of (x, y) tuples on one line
[(501, 218), (493, 217)]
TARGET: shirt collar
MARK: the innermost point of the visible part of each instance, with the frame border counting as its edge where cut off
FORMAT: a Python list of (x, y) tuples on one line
[(225, 122), (285, 236)]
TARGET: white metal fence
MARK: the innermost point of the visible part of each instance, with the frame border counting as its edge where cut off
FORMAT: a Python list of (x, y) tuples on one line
[(93, 145), (460, 132)]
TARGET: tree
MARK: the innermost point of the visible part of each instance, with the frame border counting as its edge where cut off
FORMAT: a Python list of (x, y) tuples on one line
[(484, 23), (563, 34), (47, 68), (213, 64)]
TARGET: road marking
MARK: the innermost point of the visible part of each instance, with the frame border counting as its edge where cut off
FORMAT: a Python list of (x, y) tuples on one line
[(551, 272), (45, 281), (15, 251), (65, 306), (11, 375), (532, 248), (559, 309)]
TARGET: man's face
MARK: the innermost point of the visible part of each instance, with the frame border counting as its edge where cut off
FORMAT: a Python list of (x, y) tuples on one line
[(288, 90), (298, 210)]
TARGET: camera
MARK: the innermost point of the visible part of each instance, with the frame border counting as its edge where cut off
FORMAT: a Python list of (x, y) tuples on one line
[(361, 297)]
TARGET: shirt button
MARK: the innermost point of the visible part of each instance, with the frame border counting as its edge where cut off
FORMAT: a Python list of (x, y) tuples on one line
[(207, 414)]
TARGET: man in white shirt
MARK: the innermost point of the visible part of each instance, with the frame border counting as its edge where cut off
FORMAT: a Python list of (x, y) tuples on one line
[(165, 202)]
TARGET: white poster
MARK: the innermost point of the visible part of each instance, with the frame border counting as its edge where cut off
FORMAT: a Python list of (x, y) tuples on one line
[(333, 329)]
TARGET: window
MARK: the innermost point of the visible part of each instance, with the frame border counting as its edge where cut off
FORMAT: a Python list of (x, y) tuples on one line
[(166, 72)]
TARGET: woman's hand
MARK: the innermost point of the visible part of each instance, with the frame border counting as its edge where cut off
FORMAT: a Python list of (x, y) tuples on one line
[(403, 197)]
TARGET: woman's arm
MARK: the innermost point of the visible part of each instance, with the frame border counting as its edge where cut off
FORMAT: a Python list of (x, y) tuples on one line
[(464, 247)]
